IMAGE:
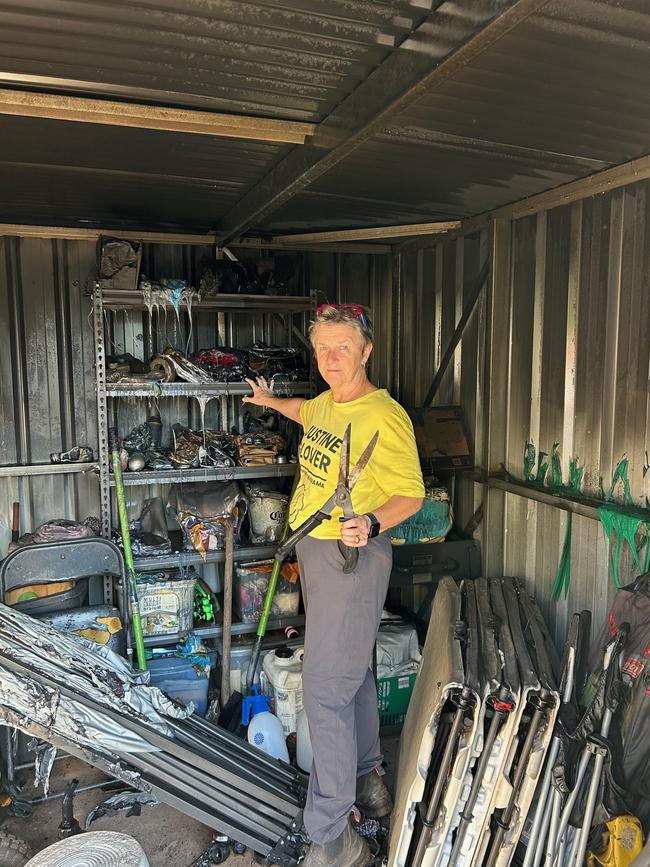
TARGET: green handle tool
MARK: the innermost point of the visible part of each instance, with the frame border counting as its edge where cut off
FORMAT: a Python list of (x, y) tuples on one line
[(136, 622)]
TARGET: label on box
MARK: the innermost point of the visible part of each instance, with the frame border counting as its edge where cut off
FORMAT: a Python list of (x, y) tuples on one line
[(403, 682), (163, 602)]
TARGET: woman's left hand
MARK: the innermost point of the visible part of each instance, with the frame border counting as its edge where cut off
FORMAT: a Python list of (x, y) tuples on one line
[(354, 531)]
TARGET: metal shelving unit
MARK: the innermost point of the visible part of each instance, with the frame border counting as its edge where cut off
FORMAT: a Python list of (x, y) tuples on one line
[(191, 558), (125, 299), (105, 300), (188, 389), (206, 474), (276, 310), (217, 631)]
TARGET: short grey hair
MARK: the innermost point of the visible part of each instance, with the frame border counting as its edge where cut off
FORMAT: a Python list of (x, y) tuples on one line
[(334, 314)]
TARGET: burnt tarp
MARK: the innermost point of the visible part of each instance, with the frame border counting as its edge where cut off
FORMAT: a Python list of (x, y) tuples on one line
[(85, 699)]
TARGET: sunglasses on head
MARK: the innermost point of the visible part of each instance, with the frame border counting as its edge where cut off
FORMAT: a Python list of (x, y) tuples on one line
[(351, 311)]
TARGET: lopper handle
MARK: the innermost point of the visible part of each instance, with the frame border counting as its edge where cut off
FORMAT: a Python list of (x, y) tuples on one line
[(310, 524), (350, 558)]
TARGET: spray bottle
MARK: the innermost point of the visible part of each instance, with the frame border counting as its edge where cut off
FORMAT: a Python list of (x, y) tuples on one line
[(264, 728)]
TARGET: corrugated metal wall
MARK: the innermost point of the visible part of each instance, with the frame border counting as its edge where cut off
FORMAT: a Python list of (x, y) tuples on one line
[(47, 400), (562, 334), (556, 350), (47, 376)]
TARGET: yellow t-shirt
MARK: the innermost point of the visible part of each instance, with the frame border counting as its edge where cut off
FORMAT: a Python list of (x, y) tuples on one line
[(393, 469)]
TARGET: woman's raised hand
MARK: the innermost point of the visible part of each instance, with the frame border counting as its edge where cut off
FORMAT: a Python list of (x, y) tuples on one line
[(262, 391)]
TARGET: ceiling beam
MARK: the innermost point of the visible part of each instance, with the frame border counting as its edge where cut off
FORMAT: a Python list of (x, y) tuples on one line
[(28, 103), (370, 234), (71, 233), (465, 28)]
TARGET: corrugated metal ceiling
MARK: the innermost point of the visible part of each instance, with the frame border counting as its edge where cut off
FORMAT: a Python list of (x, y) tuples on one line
[(560, 96), (295, 59), (61, 173)]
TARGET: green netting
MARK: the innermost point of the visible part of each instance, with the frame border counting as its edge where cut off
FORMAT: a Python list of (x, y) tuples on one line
[(619, 529), (620, 475), (542, 468), (576, 473), (563, 577), (556, 468)]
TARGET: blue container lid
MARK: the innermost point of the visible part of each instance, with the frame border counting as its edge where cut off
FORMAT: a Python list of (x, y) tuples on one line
[(254, 704)]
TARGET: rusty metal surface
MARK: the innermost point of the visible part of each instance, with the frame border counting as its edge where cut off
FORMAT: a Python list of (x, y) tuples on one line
[(56, 172), (559, 96), (292, 59), (47, 382), (576, 374)]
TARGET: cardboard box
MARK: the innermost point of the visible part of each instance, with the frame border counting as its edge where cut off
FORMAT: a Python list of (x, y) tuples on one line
[(442, 439), (393, 697)]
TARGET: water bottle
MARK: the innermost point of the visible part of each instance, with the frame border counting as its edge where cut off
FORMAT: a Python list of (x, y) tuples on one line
[(264, 728)]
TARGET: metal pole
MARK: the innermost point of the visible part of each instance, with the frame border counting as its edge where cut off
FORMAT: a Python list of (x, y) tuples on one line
[(600, 752), (553, 824), (463, 703), (503, 822), (501, 709)]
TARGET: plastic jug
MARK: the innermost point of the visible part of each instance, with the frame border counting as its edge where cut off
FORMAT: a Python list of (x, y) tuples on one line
[(282, 669), (304, 754), (264, 728)]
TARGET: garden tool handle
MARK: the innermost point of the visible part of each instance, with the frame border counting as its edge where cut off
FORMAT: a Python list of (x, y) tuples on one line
[(136, 622), (350, 557), (310, 524)]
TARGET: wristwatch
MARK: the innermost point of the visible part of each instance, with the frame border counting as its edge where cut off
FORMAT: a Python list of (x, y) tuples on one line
[(375, 527)]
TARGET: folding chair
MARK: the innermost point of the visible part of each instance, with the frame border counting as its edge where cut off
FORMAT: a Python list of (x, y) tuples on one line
[(56, 562)]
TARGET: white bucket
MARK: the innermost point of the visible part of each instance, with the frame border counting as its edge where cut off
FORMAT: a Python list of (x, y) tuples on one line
[(266, 512), (282, 681)]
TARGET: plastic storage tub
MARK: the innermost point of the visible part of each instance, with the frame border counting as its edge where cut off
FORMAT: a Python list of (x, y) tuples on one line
[(176, 676), (251, 583)]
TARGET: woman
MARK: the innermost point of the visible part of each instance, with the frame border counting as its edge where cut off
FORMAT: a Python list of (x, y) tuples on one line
[(344, 610)]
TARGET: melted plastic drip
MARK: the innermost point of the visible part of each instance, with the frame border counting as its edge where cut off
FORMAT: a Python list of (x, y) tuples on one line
[(203, 402)]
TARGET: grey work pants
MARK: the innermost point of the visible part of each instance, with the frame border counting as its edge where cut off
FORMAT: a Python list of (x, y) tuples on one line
[(343, 616)]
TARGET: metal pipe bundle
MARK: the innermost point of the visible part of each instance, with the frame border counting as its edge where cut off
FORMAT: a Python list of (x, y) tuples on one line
[(111, 719)]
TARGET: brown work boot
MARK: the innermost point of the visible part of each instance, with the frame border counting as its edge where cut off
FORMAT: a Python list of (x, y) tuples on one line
[(348, 850), (373, 798)]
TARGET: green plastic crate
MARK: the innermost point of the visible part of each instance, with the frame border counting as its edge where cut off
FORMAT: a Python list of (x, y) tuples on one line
[(393, 697)]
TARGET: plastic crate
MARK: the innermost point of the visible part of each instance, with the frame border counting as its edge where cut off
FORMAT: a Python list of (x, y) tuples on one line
[(393, 697)]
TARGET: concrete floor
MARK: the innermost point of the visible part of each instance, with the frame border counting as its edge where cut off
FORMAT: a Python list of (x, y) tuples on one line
[(169, 838)]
